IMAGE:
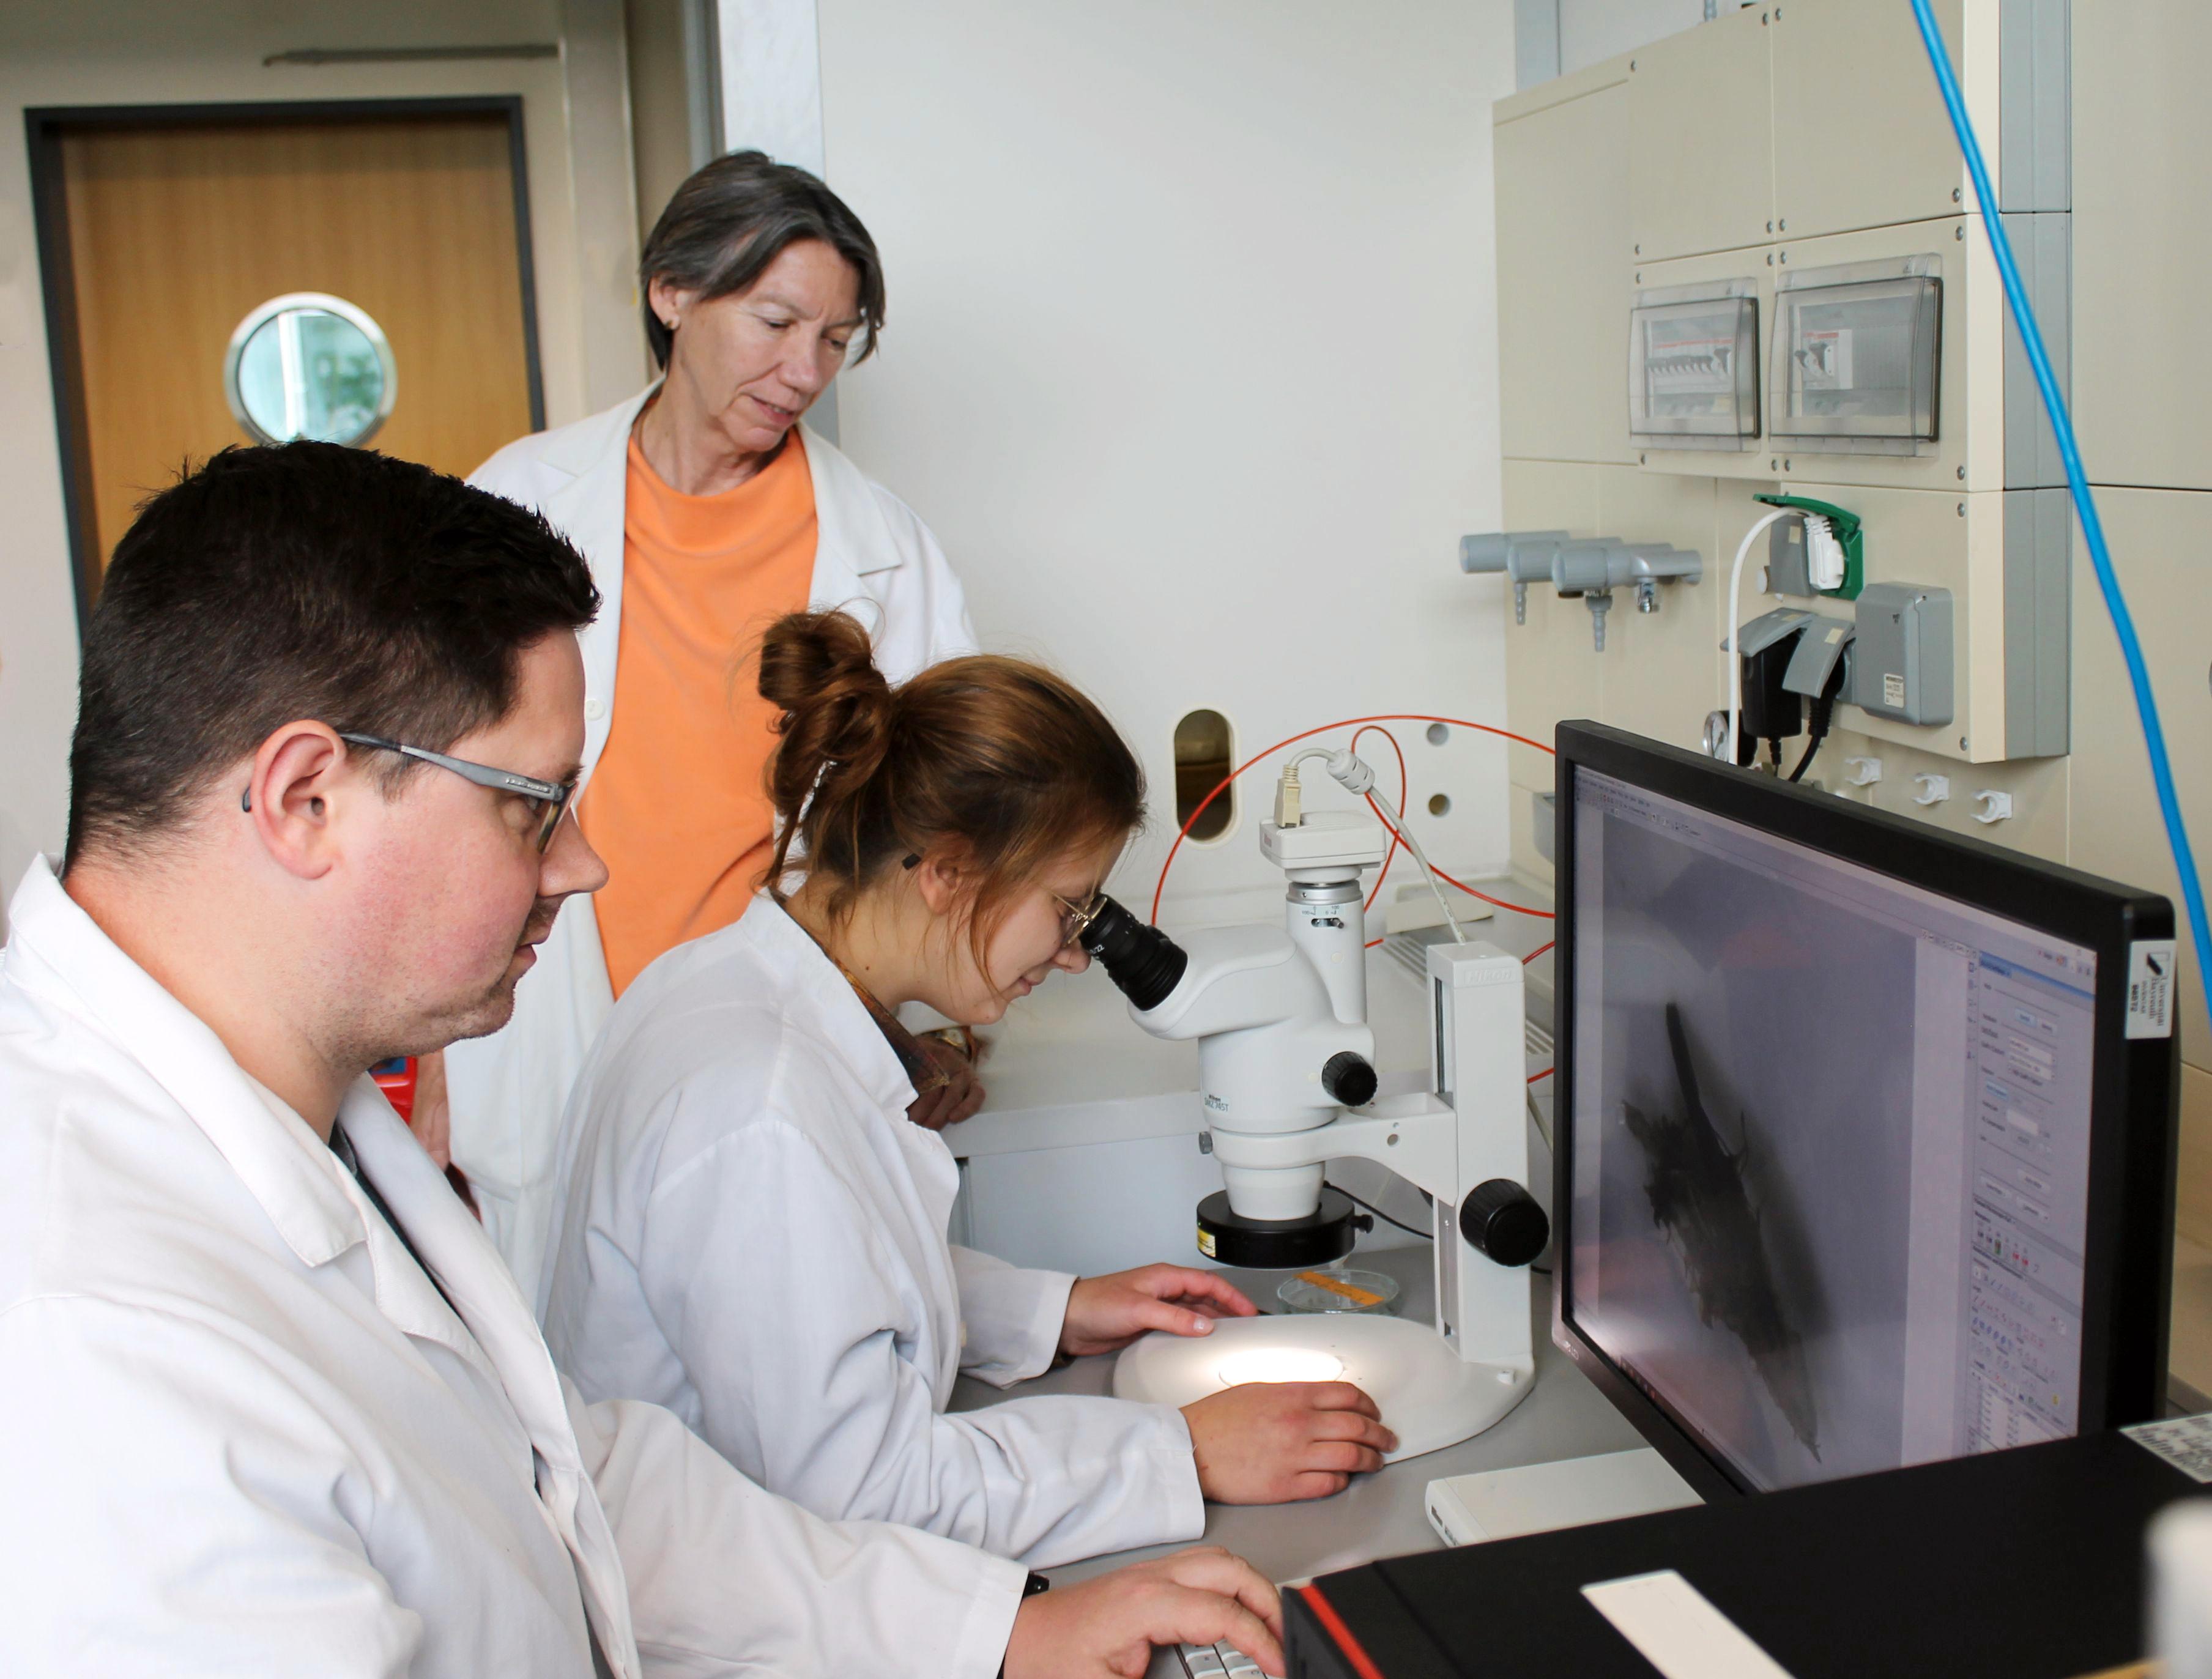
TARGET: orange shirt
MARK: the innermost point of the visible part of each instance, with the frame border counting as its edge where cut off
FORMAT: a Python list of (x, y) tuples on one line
[(678, 805)]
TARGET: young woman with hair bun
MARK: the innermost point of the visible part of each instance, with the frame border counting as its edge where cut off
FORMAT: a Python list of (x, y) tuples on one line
[(751, 1233)]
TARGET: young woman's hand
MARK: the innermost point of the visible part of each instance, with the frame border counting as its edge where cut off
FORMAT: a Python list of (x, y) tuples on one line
[(1106, 1312), (935, 1109), (1105, 1627), (1277, 1442)]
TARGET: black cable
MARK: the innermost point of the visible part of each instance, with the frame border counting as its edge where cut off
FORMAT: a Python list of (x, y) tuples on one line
[(1425, 1235), (1823, 710)]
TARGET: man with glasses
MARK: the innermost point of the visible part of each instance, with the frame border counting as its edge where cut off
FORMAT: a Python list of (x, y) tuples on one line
[(273, 1404)]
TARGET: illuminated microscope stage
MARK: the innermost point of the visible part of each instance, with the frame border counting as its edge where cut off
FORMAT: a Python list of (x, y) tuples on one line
[(1429, 1397)]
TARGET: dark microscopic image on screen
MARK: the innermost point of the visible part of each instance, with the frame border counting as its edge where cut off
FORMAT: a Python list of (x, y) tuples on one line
[(1744, 1135)]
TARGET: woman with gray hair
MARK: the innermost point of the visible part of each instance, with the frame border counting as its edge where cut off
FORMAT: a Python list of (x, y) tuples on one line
[(707, 509)]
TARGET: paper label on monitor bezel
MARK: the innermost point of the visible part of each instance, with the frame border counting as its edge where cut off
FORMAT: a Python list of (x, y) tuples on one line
[(2150, 987)]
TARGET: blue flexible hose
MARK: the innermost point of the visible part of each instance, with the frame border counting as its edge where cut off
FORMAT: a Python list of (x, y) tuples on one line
[(2077, 483)]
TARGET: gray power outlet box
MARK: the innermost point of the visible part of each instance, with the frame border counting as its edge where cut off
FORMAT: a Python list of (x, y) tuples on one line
[(1903, 653)]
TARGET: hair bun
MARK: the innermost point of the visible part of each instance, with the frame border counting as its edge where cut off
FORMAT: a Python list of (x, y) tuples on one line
[(819, 672)]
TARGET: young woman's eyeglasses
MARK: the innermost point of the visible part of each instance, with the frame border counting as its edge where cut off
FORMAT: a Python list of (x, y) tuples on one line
[(1075, 919), (549, 799)]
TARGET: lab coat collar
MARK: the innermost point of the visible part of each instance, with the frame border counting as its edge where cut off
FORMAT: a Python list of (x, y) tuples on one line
[(789, 949), (301, 1185), (853, 536), (281, 1161)]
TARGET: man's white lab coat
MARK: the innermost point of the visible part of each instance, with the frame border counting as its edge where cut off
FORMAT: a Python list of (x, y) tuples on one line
[(244, 1433), (751, 1233), (872, 555)]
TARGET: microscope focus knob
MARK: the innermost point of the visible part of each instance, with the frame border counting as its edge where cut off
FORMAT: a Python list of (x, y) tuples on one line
[(1502, 1220), (1348, 1079)]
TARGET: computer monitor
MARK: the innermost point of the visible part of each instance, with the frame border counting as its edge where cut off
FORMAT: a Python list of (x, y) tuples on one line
[(1864, 1158)]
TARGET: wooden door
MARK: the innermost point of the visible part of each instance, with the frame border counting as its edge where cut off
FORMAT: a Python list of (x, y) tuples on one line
[(170, 228)]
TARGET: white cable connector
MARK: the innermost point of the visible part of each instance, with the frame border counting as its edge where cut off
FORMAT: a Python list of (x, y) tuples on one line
[(1289, 807), (1355, 776), (1350, 772), (1824, 555), (1735, 657)]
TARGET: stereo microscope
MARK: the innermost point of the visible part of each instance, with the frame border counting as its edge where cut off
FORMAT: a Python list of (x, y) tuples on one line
[(1286, 1076)]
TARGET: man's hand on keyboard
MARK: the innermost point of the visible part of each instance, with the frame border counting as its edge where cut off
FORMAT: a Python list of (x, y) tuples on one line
[(1105, 1628), (1275, 1442)]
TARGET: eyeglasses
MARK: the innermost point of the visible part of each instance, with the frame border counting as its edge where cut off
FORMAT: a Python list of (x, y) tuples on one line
[(549, 799), (1075, 919)]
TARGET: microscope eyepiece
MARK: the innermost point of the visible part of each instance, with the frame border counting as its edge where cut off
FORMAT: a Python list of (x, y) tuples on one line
[(1144, 962)]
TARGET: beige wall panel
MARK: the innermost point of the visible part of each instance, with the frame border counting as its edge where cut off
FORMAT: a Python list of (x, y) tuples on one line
[(2039, 788), (1562, 279), (1861, 139), (1551, 669), (2143, 150), (1609, 73), (1701, 167), (2192, 1201), (1756, 265), (1660, 677), (2159, 538)]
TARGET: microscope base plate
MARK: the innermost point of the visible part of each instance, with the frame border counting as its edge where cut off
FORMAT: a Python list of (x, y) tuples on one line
[(1429, 1396)]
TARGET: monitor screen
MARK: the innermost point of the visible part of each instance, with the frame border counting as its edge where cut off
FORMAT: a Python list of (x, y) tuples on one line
[(1830, 1146)]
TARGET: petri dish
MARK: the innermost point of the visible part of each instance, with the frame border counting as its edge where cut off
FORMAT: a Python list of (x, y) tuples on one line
[(1339, 1288)]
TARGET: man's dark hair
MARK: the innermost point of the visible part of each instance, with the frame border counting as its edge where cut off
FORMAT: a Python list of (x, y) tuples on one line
[(307, 581), (734, 217)]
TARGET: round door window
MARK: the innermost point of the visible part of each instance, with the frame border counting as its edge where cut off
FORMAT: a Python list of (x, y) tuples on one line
[(306, 365)]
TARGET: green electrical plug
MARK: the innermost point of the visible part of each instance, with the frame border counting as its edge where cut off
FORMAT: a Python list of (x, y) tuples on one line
[(1849, 534)]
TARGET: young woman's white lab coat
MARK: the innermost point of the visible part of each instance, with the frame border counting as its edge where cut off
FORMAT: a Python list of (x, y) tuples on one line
[(872, 555), (245, 1435), (751, 1233)]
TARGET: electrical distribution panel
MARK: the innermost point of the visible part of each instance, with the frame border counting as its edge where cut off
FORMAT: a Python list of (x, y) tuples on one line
[(1693, 367), (1855, 363)]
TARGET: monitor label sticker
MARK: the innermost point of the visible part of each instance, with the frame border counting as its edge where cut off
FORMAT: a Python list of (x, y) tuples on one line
[(2185, 1443), (2150, 988)]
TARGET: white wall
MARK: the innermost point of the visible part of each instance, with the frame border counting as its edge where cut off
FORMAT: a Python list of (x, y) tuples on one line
[(1192, 357), (147, 51)]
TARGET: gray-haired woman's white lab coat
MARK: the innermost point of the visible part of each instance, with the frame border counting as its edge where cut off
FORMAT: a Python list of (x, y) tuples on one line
[(871, 554), (245, 1435), (751, 1233)]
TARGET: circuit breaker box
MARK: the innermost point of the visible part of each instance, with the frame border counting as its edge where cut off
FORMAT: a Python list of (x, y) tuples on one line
[(1903, 650)]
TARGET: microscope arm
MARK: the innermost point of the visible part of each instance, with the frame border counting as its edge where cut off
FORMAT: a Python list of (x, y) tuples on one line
[(1269, 985), (1413, 1136)]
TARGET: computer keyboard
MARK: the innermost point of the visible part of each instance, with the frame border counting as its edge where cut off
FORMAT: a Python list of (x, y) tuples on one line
[(1218, 1661)]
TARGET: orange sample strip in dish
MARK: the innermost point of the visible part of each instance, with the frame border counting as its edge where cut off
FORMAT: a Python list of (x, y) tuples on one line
[(1337, 1285), (678, 806)]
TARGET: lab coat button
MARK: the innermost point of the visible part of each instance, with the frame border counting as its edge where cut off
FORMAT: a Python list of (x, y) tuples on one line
[(594, 710)]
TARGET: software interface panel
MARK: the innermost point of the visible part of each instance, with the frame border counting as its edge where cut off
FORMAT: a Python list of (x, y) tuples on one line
[(1831, 1147)]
